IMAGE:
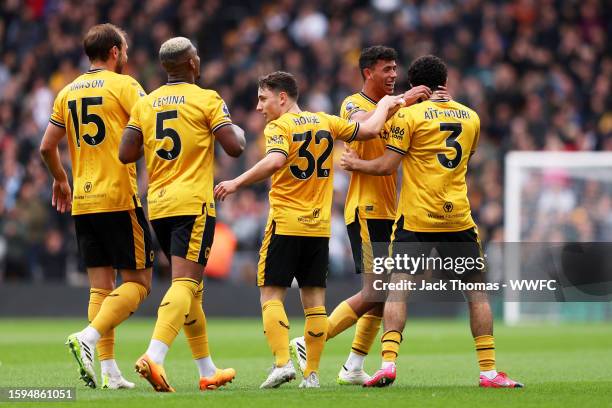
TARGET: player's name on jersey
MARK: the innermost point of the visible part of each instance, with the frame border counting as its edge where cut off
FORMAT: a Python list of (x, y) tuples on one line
[(432, 113), (168, 100), (305, 120), (94, 83)]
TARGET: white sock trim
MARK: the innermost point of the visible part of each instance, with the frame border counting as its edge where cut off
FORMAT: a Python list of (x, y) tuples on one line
[(90, 336), (157, 351), (491, 374), (206, 367), (354, 362), (110, 367)]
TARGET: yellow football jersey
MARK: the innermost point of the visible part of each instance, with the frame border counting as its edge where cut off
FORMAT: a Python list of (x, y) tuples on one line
[(177, 122), (374, 196), (301, 193), (436, 138), (94, 110)]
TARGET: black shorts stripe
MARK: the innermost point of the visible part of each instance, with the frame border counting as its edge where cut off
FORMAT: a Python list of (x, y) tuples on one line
[(379, 230), (284, 257), (186, 236), (136, 128), (107, 239)]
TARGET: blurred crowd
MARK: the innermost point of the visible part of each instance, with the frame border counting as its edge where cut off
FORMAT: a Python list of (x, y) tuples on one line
[(537, 72)]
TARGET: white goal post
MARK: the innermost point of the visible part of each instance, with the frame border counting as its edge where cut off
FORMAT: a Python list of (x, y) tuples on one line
[(519, 168)]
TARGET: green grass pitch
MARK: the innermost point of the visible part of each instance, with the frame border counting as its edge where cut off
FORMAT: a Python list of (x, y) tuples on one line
[(561, 365)]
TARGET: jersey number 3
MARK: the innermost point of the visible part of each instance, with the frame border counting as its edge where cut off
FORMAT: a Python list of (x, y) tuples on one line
[(162, 132), (451, 141)]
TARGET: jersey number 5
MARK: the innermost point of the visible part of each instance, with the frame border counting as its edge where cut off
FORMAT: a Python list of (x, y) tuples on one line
[(86, 118), (451, 141), (303, 152), (161, 133)]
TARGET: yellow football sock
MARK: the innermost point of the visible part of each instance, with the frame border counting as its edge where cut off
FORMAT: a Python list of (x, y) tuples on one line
[(195, 327), (365, 334), (315, 330), (276, 329), (390, 345), (118, 306), (106, 345), (485, 351), (173, 308), (342, 317)]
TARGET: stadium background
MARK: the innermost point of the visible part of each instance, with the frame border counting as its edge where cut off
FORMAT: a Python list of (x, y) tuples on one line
[(537, 72)]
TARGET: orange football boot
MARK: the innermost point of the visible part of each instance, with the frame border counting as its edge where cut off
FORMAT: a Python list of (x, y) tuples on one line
[(221, 377), (153, 373)]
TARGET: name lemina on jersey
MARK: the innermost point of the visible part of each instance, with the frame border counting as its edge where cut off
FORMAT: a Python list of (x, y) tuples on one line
[(168, 100)]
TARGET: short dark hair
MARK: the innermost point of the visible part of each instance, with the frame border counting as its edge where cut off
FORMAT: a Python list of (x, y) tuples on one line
[(100, 39), (280, 81), (371, 55), (428, 70)]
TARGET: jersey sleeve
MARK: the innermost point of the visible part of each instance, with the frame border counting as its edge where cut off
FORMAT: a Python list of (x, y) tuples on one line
[(135, 121), (58, 112), (277, 139), (349, 108), (217, 112), (343, 129), (131, 92), (400, 133)]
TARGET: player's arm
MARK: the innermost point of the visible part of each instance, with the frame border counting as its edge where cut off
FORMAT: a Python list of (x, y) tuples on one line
[(62, 194), (232, 140), (412, 96), (383, 165), (265, 168), (132, 146), (374, 124)]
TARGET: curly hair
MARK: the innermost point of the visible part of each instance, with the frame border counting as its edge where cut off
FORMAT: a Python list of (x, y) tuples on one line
[(428, 70)]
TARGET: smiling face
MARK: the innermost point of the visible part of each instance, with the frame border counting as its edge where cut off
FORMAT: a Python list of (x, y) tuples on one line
[(270, 103), (382, 75)]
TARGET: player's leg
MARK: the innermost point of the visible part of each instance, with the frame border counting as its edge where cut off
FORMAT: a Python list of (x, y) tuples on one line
[(277, 258), (102, 283), (481, 325), (179, 233), (195, 327), (126, 237), (395, 310), (105, 240), (311, 275)]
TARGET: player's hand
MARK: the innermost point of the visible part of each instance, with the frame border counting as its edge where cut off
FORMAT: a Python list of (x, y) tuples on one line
[(225, 188), (62, 196), (392, 101), (442, 92), (349, 159), (416, 94)]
